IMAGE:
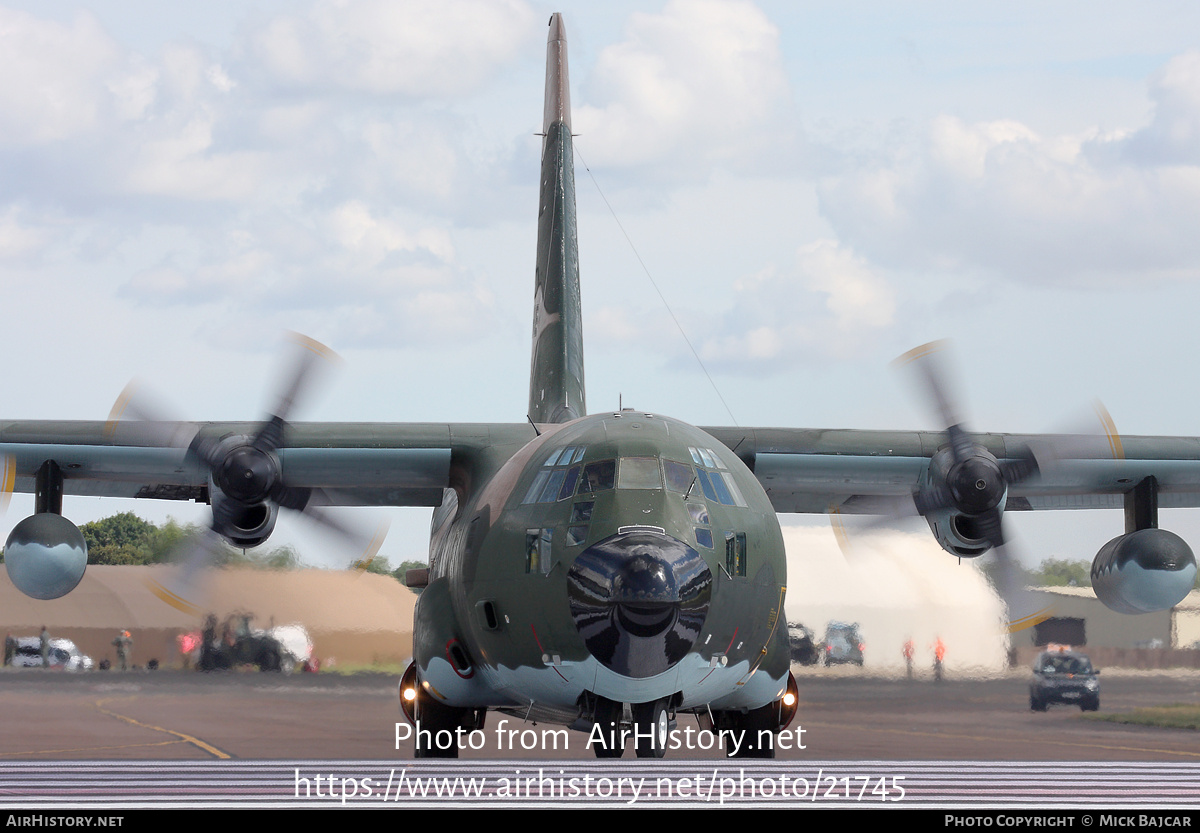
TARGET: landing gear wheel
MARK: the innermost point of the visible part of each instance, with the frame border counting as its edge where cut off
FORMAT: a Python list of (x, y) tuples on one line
[(433, 722), (608, 718), (652, 727), (759, 728)]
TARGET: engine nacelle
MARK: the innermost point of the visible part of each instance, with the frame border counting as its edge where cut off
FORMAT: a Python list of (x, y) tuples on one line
[(242, 523), (45, 556), (958, 534), (959, 499), (1143, 571)]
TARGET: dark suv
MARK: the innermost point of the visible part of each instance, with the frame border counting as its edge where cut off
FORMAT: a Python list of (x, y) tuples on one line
[(803, 644), (1064, 677)]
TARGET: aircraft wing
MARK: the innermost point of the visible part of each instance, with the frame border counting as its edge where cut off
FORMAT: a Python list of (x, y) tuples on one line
[(852, 471), (379, 464)]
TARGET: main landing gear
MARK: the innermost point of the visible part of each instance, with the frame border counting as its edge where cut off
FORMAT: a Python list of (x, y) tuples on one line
[(437, 726)]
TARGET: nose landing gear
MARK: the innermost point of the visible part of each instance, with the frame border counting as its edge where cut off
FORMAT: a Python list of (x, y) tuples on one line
[(649, 732), (651, 729)]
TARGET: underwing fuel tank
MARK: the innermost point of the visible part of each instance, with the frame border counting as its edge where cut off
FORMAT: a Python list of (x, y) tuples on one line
[(1143, 571), (45, 556)]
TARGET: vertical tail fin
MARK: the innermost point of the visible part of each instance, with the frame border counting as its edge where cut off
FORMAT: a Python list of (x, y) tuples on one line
[(556, 391)]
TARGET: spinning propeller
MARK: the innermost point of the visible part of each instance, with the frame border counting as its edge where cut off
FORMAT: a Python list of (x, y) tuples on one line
[(963, 493), (246, 484), (968, 479)]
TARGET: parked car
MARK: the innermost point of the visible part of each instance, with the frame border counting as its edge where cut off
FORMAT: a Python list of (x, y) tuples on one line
[(843, 644), (1064, 676), (236, 643), (27, 653), (295, 645), (804, 648)]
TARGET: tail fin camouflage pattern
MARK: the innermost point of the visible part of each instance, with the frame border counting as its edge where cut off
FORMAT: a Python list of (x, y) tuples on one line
[(556, 392)]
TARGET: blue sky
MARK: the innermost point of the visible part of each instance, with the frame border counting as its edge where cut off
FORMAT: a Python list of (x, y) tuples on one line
[(815, 187)]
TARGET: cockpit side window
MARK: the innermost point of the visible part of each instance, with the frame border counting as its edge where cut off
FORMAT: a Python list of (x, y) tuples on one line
[(555, 481), (568, 484), (719, 486), (679, 476)]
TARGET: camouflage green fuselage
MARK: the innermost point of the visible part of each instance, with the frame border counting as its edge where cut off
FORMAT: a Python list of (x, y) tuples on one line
[(524, 610)]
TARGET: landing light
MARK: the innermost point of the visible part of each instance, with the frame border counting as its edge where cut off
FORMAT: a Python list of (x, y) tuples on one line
[(789, 699), (410, 694)]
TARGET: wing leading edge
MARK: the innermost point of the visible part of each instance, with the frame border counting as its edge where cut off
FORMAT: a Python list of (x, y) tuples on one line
[(357, 464), (814, 471)]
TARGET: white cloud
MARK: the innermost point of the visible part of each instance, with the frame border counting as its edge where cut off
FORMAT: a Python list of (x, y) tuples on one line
[(829, 303), (369, 241), (55, 76), (857, 297), (998, 197), (19, 239), (702, 82), (1173, 135), (421, 48), (353, 274)]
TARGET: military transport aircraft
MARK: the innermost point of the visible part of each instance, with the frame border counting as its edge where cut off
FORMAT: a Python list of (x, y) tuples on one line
[(605, 571)]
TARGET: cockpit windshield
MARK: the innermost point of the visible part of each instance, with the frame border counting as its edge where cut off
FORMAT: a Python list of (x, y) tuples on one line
[(564, 474)]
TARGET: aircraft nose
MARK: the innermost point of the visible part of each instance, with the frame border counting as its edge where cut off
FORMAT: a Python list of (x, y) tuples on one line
[(639, 600)]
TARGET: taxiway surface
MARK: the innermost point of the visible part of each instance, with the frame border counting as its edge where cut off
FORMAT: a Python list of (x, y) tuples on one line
[(179, 716)]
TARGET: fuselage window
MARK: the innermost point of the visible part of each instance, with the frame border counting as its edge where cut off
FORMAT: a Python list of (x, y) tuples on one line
[(555, 481), (639, 473), (553, 485), (730, 482), (535, 489), (704, 537), (699, 513), (581, 516), (718, 482), (566, 456), (538, 544), (735, 553), (679, 476), (707, 486), (599, 476), (581, 512), (718, 486), (568, 484)]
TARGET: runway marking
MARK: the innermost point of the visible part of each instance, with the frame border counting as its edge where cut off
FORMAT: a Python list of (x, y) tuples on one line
[(1025, 740), (199, 744), (89, 749)]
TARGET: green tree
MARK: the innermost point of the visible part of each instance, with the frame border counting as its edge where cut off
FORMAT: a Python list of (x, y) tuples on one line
[(378, 565), (1059, 572), (120, 539), (404, 567)]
